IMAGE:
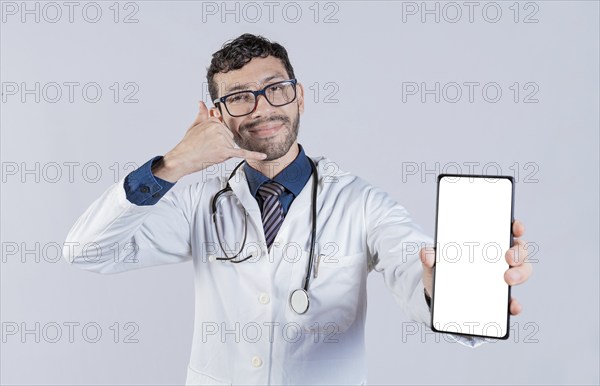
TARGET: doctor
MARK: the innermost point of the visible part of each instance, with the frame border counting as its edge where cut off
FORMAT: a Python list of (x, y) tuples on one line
[(265, 312)]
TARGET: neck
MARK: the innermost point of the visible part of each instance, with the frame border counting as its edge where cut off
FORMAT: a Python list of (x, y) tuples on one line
[(274, 167)]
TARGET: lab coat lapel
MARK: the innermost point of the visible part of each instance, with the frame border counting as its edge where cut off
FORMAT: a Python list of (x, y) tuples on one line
[(301, 205), (239, 185)]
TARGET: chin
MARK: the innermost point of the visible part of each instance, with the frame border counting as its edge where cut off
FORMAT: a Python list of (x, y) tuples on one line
[(274, 153), (273, 150), (274, 147)]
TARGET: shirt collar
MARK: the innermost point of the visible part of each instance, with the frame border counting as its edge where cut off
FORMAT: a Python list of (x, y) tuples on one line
[(293, 177)]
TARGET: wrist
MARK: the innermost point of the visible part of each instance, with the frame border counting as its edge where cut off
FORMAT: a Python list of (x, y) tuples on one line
[(167, 169)]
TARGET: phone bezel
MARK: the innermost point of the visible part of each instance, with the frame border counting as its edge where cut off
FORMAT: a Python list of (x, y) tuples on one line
[(512, 220)]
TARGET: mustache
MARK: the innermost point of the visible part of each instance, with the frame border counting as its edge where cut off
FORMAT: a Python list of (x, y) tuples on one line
[(252, 125)]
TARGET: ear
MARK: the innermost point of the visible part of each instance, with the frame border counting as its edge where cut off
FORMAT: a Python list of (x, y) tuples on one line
[(300, 96), (214, 112)]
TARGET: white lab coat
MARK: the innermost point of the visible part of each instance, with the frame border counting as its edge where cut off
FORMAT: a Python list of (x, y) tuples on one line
[(245, 331)]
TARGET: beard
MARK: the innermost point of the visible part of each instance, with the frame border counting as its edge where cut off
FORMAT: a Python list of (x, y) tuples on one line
[(272, 149)]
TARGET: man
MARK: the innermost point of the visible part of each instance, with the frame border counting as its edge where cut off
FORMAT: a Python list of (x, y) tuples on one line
[(248, 327)]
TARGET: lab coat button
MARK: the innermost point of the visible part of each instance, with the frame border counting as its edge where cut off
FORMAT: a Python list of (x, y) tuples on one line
[(212, 258), (256, 361), (264, 298), (144, 189)]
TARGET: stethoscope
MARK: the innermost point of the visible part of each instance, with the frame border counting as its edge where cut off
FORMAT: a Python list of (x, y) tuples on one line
[(299, 300)]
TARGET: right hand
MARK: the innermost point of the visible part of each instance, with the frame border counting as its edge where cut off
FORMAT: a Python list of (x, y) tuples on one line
[(207, 142)]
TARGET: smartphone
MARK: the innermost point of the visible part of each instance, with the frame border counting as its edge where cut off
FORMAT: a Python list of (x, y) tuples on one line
[(473, 233)]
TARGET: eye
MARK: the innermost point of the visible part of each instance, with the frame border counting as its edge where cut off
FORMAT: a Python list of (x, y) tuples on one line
[(239, 98)]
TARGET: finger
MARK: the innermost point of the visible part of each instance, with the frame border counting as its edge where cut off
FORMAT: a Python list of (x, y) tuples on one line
[(230, 142), (515, 307), (215, 120), (517, 254), (247, 154), (518, 275), (202, 115), (226, 130), (427, 256), (518, 228)]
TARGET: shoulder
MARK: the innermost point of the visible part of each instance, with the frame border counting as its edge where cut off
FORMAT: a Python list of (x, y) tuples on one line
[(332, 176)]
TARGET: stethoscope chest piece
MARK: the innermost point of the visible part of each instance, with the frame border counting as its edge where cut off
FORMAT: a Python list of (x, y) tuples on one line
[(299, 301)]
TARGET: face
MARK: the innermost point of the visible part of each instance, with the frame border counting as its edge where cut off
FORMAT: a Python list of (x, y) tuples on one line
[(270, 130)]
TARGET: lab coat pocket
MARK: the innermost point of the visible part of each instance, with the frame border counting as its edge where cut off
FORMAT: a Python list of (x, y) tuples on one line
[(336, 293), (197, 378)]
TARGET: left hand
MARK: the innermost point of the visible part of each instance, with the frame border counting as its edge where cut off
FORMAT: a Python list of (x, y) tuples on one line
[(519, 271)]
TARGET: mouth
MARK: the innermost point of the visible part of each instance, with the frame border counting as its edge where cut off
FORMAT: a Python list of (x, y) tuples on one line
[(266, 130)]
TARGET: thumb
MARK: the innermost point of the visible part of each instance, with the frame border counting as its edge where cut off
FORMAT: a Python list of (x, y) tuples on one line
[(202, 115), (428, 260), (427, 256)]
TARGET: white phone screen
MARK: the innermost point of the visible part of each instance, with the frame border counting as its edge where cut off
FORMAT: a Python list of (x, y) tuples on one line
[(473, 233)]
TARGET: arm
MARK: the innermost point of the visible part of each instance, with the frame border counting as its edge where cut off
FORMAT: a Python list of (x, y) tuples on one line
[(136, 223), (394, 242)]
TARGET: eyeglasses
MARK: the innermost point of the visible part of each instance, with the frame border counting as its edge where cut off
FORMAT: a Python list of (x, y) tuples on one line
[(243, 103)]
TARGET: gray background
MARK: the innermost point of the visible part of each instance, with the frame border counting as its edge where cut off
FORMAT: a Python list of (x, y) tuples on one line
[(362, 60)]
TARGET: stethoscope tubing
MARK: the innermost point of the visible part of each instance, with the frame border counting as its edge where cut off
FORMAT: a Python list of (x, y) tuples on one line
[(313, 237)]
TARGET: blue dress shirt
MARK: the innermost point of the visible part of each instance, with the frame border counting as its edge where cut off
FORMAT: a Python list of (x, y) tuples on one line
[(144, 188), (292, 178)]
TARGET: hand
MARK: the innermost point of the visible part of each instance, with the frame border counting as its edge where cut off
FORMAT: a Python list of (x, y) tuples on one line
[(207, 142), (519, 271)]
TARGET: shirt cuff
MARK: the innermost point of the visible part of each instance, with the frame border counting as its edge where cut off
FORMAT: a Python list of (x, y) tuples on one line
[(144, 188)]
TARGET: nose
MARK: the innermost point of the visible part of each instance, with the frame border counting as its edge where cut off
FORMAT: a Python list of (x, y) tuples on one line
[(263, 107)]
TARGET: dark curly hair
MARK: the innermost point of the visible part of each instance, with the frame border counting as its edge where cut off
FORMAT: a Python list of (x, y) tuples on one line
[(236, 53)]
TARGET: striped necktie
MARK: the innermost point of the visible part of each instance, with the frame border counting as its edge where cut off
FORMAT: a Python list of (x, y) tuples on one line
[(272, 212)]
